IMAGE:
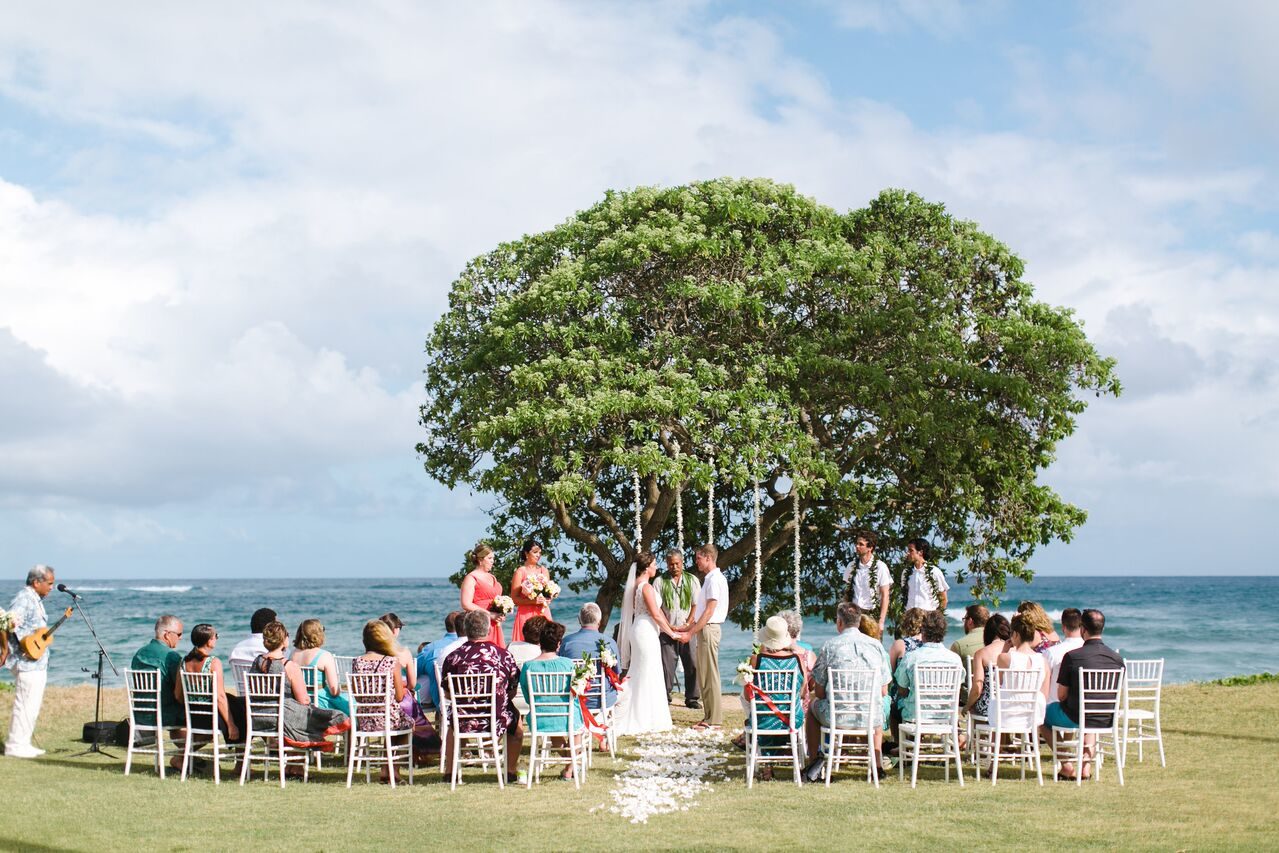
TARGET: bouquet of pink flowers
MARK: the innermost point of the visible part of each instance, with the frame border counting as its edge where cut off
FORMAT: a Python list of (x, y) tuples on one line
[(502, 605), (544, 588)]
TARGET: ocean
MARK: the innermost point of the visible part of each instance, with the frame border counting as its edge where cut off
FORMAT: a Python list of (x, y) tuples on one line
[(1197, 624)]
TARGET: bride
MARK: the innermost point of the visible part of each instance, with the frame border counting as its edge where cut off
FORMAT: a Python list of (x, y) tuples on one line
[(643, 707)]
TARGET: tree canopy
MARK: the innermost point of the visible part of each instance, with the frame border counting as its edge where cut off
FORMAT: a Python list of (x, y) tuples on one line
[(888, 366)]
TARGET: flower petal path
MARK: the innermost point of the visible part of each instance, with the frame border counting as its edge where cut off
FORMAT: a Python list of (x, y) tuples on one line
[(671, 770)]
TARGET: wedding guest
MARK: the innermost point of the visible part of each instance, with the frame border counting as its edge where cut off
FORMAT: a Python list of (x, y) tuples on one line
[(526, 606), (1071, 620), (526, 650), (1045, 636), (870, 593), (676, 590), (710, 609), (305, 724), (29, 674), (849, 649), (380, 657), (778, 652), (1064, 713), (308, 650), (795, 628), (975, 618), (159, 655), (908, 639), (587, 640), (1022, 656), (479, 655), (432, 657), (251, 646), (931, 650), (996, 633), (480, 588), (204, 640), (870, 627), (926, 586), (408, 665), (550, 635)]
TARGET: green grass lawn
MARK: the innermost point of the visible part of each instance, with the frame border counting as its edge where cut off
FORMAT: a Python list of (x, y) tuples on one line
[(1219, 791)]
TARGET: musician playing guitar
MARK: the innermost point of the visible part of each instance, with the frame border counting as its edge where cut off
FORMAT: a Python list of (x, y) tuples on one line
[(29, 674)]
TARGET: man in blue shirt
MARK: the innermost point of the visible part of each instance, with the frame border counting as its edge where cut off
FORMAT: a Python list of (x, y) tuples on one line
[(932, 651), (428, 689), (588, 640), (29, 674)]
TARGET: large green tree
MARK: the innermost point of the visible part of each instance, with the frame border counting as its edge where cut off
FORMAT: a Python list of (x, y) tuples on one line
[(888, 366)]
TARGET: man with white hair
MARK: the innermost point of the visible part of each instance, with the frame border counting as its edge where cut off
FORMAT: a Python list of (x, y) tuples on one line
[(161, 656), (588, 640), (29, 674), (677, 591)]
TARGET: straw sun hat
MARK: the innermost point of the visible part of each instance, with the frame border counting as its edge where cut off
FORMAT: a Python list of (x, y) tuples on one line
[(776, 634)]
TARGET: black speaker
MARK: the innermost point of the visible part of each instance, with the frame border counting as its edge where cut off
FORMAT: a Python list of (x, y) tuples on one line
[(105, 731)]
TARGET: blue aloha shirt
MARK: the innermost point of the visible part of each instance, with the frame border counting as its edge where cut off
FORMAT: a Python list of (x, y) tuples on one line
[(850, 650), (27, 609)]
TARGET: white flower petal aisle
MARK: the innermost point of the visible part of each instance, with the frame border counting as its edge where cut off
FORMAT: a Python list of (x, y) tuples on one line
[(672, 769)]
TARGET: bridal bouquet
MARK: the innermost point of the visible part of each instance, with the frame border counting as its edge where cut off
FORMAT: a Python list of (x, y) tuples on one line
[(502, 605)]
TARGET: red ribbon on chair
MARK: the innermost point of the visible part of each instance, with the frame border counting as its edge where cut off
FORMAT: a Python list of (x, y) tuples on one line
[(592, 725), (753, 692), (614, 679)]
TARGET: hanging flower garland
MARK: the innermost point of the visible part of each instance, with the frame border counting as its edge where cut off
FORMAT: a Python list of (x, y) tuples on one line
[(798, 606), (639, 531), (679, 506), (710, 505), (759, 560)]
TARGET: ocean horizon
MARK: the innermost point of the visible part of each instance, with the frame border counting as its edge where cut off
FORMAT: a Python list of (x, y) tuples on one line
[(1194, 622)]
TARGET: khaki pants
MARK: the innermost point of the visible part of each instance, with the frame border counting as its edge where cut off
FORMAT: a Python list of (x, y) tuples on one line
[(708, 673)]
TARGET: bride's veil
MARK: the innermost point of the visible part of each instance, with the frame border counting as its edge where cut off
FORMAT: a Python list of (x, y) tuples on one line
[(628, 617)]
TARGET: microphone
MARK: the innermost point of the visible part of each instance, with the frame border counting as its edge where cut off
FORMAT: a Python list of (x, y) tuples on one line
[(63, 588)]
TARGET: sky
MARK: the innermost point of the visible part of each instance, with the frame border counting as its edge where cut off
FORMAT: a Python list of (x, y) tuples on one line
[(226, 232)]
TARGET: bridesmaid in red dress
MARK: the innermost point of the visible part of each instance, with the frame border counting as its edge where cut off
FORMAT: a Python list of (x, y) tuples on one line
[(527, 607), (479, 588)]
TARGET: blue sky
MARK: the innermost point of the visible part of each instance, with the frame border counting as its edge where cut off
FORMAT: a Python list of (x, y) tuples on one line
[(225, 235)]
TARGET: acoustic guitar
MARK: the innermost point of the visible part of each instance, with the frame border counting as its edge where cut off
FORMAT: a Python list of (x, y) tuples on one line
[(35, 644)]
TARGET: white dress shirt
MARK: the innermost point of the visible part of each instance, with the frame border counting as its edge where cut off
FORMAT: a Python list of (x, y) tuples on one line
[(714, 586), (863, 593), (918, 593)]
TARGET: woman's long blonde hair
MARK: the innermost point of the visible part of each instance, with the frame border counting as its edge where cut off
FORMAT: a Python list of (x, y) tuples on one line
[(378, 638)]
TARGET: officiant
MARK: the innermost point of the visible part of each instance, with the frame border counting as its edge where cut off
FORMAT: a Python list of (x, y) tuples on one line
[(676, 590)]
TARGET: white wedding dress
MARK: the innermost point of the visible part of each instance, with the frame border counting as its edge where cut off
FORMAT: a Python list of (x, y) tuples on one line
[(642, 707)]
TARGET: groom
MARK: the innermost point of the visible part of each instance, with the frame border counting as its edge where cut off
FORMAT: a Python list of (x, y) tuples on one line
[(709, 611)]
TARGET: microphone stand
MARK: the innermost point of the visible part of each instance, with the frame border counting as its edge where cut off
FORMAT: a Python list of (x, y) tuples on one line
[(94, 747)]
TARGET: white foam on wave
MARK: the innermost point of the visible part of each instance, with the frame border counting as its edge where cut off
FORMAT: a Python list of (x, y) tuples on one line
[(956, 614), (160, 588), (95, 589)]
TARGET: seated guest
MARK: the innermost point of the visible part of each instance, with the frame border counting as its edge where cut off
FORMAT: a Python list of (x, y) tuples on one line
[(975, 618), (204, 639), (795, 627), (477, 655), (849, 649), (308, 650), (433, 655), (1045, 636), (996, 633), (588, 640), (1020, 655), (1070, 625), (305, 724), (930, 651), (526, 649), (380, 656), (778, 652), (159, 655), (251, 646), (907, 636), (1093, 654), (550, 634), (407, 664), (870, 627)]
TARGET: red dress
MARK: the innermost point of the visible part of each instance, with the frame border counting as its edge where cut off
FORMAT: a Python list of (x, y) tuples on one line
[(525, 612), (488, 588)]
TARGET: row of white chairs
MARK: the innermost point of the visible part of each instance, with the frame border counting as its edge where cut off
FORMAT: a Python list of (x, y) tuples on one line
[(1109, 708)]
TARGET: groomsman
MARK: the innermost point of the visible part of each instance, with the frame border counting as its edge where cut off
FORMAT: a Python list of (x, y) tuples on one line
[(677, 591), (710, 609), (868, 579)]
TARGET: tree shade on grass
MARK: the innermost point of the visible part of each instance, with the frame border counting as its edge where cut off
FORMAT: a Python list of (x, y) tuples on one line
[(888, 366)]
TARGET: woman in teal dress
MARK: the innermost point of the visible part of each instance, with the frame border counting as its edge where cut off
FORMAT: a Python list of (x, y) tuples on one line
[(308, 650), (779, 653), (550, 661)]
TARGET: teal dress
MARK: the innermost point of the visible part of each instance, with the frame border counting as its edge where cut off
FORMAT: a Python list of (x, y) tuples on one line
[(555, 725), (766, 720), (325, 699)]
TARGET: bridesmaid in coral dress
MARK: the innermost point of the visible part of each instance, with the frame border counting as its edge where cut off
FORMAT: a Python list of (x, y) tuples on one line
[(527, 608), (479, 588)]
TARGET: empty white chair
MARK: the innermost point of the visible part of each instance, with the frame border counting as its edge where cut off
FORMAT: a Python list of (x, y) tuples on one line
[(1012, 729), (1143, 687), (854, 695), (374, 740), (143, 687), (774, 698), (264, 722), (551, 716), (444, 712), (343, 664), (200, 698), (934, 733), (473, 705), (1100, 704), (238, 670)]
